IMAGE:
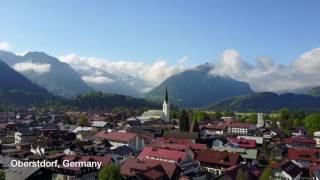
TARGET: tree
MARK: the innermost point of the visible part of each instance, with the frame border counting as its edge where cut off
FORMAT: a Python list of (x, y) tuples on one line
[(218, 115), (195, 127), (266, 174), (312, 123), (184, 121), (2, 175), (110, 172), (83, 120), (253, 118), (241, 175)]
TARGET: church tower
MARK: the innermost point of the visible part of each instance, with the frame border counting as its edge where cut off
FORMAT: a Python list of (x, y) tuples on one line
[(166, 107)]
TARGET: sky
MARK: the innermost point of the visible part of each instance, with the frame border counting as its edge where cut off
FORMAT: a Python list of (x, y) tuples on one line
[(144, 30), (172, 32)]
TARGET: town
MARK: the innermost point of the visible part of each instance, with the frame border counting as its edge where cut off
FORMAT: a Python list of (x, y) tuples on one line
[(158, 144)]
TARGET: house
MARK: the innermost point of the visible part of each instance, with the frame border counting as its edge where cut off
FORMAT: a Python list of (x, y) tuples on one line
[(217, 161), (217, 128), (300, 141), (120, 154), (76, 172), (166, 155), (304, 157), (117, 139), (192, 136), (287, 170), (240, 128), (24, 135), (151, 169)]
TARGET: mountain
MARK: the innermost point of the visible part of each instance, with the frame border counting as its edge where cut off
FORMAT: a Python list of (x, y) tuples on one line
[(100, 100), (268, 101), (315, 91), (18, 90), (197, 88), (107, 83), (113, 82), (48, 72)]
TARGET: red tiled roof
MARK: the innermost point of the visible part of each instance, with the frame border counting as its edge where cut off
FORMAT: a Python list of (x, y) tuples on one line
[(143, 165), (116, 136), (218, 157), (303, 154), (300, 140), (243, 143), (174, 155)]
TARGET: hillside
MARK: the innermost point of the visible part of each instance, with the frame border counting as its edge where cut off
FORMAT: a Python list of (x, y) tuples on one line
[(315, 91), (15, 89), (99, 100), (48, 72), (196, 88), (268, 101)]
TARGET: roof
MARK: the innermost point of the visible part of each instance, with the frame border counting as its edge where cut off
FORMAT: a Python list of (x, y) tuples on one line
[(181, 134), (243, 143), (151, 152), (291, 169), (303, 154), (300, 140), (116, 136), (241, 125), (152, 113), (136, 164), (218, 157), (98, 123)]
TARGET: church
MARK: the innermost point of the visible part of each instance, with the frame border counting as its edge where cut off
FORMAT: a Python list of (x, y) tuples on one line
[(163, 114)]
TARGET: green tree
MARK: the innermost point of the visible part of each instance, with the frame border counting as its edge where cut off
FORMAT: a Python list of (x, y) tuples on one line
[(83, 120), (266, 174), (312, 123), (253, 118), (184, 121), (110, 172), (297, 123), (218, 115), (2, 175)]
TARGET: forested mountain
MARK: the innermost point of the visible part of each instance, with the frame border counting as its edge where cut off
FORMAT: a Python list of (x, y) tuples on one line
[(268, 101), (197, 88)]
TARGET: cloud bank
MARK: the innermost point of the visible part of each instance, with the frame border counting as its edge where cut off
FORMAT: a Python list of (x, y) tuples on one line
[(151, 73), (5, 46), (30, 66), (97, 79), (267, 75)]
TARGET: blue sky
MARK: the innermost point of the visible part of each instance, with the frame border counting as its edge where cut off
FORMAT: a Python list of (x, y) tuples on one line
[(145, 30)]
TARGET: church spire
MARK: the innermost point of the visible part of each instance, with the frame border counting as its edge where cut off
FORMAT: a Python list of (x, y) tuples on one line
[(166, 97)]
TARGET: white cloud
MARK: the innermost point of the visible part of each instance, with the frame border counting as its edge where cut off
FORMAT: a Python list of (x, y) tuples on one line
[(30, 66), (183, 60), (269, 76), (22, 53), (97, 79), (5, 46), (152, 73)]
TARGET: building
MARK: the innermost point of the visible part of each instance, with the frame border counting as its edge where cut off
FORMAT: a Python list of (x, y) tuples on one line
[(240, 128), (163, 114), (287, 170), (117, 139), (260, 122), (217, 161), (150, 169)]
